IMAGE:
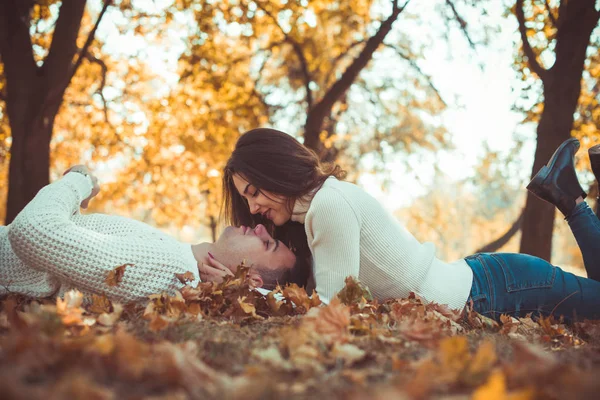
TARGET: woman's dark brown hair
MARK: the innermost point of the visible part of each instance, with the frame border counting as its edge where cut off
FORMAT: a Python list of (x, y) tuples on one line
[(275, 162)]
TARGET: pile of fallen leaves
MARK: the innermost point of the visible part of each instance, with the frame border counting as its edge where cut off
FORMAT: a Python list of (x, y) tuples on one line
[(226, 340)]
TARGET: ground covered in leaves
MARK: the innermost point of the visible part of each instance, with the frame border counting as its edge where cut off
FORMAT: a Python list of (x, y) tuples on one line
[(227, 341)]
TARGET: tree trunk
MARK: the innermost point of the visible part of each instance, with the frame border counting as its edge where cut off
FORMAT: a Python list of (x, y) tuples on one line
[(35, 93), (31, 130), (562, 87)]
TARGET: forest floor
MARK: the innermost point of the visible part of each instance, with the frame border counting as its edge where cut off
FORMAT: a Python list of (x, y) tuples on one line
[(227, 341)]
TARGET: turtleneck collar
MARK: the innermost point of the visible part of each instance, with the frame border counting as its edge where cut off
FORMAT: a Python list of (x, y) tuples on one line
[(302, 205)]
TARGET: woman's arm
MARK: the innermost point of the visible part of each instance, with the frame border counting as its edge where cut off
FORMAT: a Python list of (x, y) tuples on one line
[(335, 230), (45, 238)]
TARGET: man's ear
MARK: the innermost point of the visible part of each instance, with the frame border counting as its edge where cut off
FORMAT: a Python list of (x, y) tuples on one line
[(256, 279)]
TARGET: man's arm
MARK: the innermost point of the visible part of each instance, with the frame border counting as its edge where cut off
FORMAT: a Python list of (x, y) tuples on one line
[(45, 238)]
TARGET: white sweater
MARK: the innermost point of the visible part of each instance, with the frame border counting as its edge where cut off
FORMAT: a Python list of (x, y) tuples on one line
[(50, 246), (350, 233)]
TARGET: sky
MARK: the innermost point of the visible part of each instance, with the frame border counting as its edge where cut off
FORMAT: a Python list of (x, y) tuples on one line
[(477, 84)]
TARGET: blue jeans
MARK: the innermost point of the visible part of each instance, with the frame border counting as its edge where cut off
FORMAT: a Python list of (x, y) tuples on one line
[(518, 284)]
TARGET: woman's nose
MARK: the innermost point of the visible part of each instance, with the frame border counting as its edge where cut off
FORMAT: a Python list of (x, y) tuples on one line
[(253, 207)]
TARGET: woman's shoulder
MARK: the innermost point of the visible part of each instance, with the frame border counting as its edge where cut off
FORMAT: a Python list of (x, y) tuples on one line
[(335, 194)]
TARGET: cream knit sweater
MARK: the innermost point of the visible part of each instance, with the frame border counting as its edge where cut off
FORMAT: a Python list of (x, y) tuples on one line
[(50, 246), (350, 233)]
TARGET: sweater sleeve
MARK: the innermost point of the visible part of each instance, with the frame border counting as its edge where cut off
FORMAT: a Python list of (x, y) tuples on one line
[(335, 231), (45, 238)]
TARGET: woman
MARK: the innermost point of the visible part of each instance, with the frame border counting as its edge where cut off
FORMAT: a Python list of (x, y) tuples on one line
[(271, 177)]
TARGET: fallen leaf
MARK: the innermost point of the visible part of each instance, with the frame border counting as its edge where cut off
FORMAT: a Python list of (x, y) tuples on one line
[(349, 353), (109, 319), (272, 356), (100, 304), (158, 323), (115, 276), (495, 389), (185, 277)]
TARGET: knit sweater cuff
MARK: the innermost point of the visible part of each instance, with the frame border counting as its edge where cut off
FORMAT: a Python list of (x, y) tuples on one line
[(81, 183)]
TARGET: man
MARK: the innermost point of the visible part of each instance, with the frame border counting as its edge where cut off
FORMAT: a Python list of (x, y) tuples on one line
[(50, 247)]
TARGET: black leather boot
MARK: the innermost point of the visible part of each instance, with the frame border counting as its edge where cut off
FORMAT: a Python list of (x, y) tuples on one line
[(594, 153), (557, 181)]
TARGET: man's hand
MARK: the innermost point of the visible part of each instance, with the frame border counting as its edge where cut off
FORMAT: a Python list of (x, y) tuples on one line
[(213, 272), (82, 169)]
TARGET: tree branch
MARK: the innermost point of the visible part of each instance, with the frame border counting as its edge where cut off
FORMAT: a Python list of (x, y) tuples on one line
[(321, 110), (550, 14), (531, 57), (16, 50), (419, 71), (502, 240), (340, 56), (299, 53), (64, 43), (88, 42), (100, 89), (461, 22)]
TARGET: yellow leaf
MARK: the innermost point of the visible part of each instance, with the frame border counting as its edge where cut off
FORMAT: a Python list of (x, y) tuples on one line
[(495, 389)]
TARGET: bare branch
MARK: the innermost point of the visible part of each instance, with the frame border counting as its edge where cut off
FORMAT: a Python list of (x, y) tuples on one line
[(531, 56), (100, 89), (315, 119), (340, 56), (502, 240), (419, 71), (551, 15), (88, 42), (461, 22), (299, 53)]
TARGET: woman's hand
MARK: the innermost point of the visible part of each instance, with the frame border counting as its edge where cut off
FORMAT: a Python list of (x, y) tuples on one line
[(214, 271), (82, 169)]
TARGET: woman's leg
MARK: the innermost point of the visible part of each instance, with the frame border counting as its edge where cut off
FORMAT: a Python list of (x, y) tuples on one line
[(519, 284), (586, 229)]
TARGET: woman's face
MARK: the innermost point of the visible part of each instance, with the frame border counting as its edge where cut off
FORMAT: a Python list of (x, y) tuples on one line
[(269, 205)]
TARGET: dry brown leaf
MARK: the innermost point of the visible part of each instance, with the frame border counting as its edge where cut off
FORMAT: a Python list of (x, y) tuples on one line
[(109, 319), (247, 308), (348, 352), (185, 277), (354, 292), (158, 323), (100, 304), (115, 276), (272, 356), (331, 322)]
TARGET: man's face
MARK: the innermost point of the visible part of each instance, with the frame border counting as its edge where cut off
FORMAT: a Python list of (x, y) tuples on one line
[(255, 246)]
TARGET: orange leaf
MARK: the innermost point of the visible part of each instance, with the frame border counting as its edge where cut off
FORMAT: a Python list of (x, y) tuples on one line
[(115, 276), (100, 304), (158, 323), (186, 277)]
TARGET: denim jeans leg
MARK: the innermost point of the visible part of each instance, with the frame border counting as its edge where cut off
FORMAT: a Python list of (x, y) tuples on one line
[(586, 229), (519, 284)]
